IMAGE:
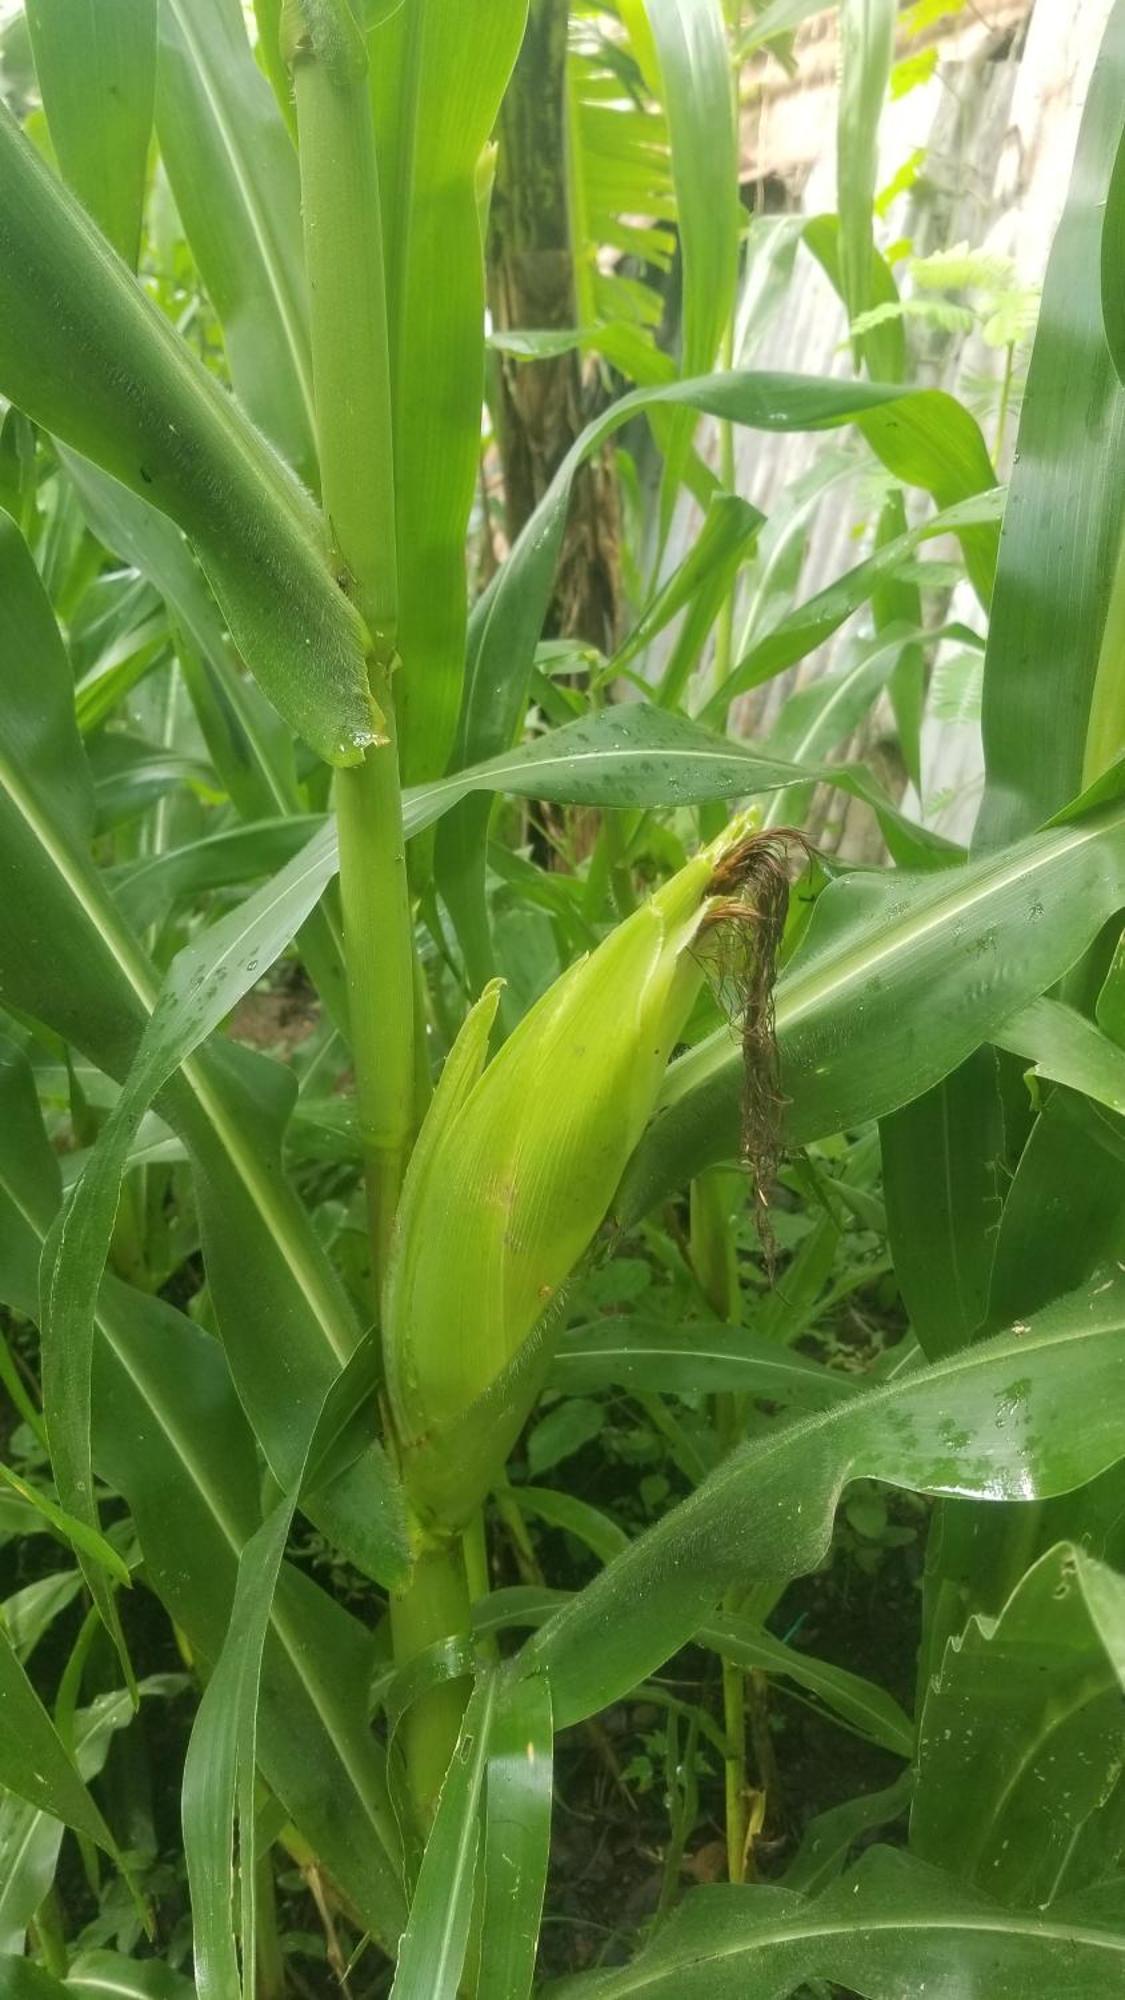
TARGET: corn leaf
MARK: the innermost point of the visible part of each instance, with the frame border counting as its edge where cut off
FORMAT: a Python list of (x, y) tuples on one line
[(1051, 609), (858, 1702), (1015, 1701), (942, 1157), (34, 1762), (432, 1952), (438, 73), (517, 1836), (85, 354), (234, 176), (1031, 1413), (96, 68), (867, 30), (892, 1925)]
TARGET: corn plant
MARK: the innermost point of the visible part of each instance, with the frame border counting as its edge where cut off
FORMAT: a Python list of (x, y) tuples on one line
[(250, 719)]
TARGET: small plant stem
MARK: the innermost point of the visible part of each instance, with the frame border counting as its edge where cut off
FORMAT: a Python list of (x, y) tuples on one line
[(434, 1605), (715, 1263), (351, 382)]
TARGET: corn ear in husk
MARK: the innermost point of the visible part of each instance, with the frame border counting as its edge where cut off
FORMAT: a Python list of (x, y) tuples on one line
[(513, 1174)]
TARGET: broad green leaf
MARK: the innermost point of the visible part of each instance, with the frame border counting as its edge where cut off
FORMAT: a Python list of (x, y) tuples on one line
[(893, 1927), (432, 1952), (29, 1613), (1028, 1414), (858, 1702), (898, 979), (636, 755), (1113, 265), (1062, 533), (147, 890), (1019, 1736), (170, 1437), (96, 67), (942, 1162), (234, 176), (1072, 1170), (574, 1516), (633, 1352), (811, 623), (829, 1838), (109, 1975), (867, 30), (438, 72), (87, 355), (1067, 1048), (690, 41), (517, 1838), (34, 1762)]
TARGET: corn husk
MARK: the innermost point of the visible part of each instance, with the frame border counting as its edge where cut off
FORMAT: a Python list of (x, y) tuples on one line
[(514, 1172)]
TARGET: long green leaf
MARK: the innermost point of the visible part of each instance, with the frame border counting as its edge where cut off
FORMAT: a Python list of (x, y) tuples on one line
[(517, 1839), (432, 1953), (34, 1762), (438, 73), (893, 1927), (219, 1771), (1062, 533), (695, 85), (86, 354), (859, 1702), (1021, 1723), (632, 1352), (1066, 1047), (1031, 1413), (234, 176), (810, 624), (867, 31), (942, 1157), (97, 68)]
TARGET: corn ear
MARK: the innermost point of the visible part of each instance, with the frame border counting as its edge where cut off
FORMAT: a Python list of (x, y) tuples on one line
[(515, 1169)]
